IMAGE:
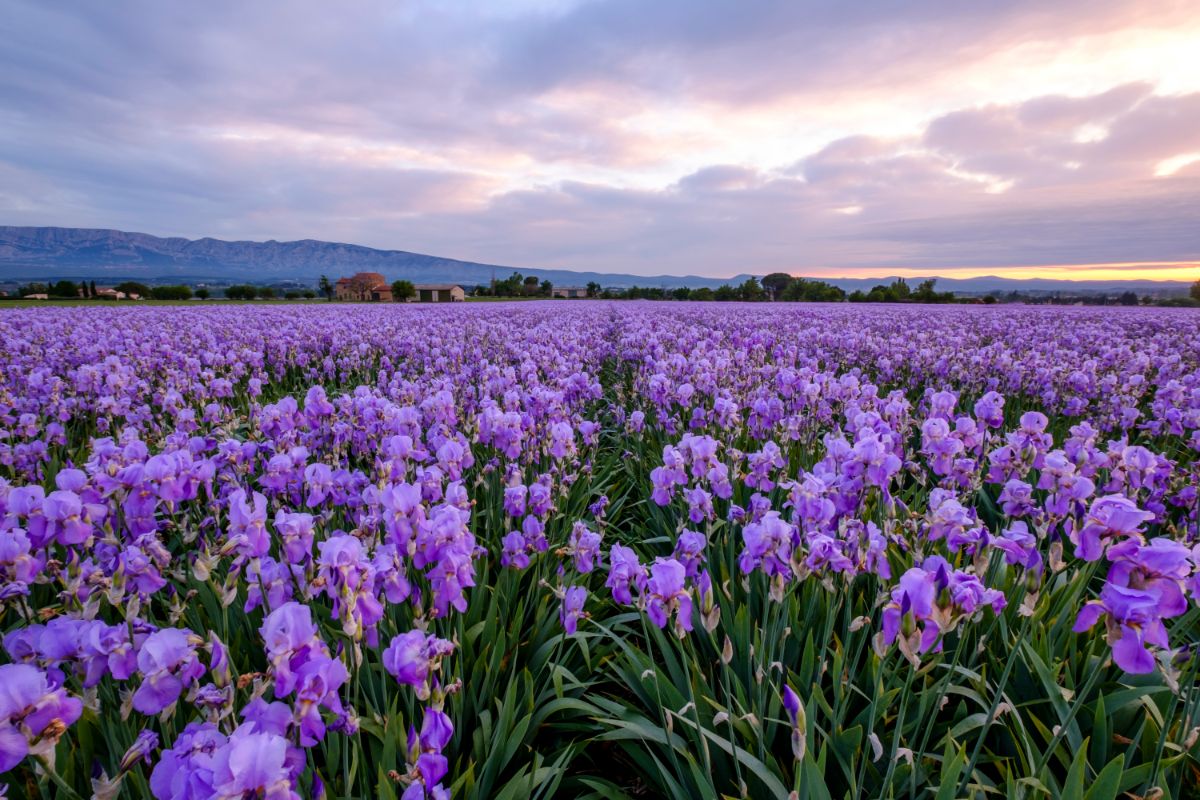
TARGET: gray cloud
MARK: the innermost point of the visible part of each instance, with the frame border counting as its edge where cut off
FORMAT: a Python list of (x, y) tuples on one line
[(402, 125)]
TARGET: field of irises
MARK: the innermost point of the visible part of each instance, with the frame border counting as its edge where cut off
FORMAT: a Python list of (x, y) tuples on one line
[(599, 550)]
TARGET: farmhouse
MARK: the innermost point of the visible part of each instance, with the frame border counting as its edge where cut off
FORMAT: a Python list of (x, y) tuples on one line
[(438, 293), (569, 291), (368, 286)]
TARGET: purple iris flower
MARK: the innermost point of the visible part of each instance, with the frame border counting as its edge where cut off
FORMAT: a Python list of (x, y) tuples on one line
[(596, 509), (168, 663), (571, 609), (514, 500), (534, 531), (769, 544), (185, 771), (319, 480), (1135, 623), (256, 765), (624, 571), (515, 552), (66, 519), (291, 639), (263, 717), (689, 551), (989, 410), (33, 715), (700, 506), (296, 531), (1016, 498), (413, 657), (666, 594), (540, 500), (1019, 546), (436, 730), (913, 605), (562, 440), (317, 684), (1109, 517), (19, 563), (584, 547), (248, 524)]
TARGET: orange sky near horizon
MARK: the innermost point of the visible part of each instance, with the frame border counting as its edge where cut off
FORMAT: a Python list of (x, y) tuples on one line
[(1187, 271)]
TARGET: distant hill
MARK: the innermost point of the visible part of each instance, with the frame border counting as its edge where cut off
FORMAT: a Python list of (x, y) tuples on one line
[(110, 256)]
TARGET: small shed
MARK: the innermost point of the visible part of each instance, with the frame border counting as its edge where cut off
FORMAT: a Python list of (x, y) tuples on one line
[(438, 293)]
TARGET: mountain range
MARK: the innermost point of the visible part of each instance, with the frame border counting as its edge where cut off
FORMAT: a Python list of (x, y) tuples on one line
[(42, 254)]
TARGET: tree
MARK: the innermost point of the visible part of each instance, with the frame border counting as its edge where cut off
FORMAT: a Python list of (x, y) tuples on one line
[(703, 293), (751, 290), (776, 283), (682, 293), (403, 290), (547, 289), (725, 292), (291, 294), (1195, 292), (83, 289), (63, 289), (266, 293), (593, 289), (132, 288), (512, 286), (308, 294), (171, 293), (203, 293), (92, 288), (241, 292), (1128, 299), (326, 287)]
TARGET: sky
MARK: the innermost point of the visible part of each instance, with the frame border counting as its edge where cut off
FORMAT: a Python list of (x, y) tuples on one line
[(914, 137)]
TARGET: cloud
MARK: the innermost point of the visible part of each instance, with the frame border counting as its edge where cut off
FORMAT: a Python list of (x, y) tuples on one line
[(679, 136)]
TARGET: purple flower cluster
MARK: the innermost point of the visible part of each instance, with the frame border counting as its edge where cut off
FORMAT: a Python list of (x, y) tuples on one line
[(313, 480)]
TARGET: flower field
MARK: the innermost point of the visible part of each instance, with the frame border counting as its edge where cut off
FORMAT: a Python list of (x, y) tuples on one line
[(599, 550)]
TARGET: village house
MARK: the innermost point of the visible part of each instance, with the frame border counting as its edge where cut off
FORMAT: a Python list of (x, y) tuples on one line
[(569, 291), (438, 293), (373, 287), (366, 286)]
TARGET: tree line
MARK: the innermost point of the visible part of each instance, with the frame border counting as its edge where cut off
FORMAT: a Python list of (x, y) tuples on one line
[(86, 290), (516, 285)]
